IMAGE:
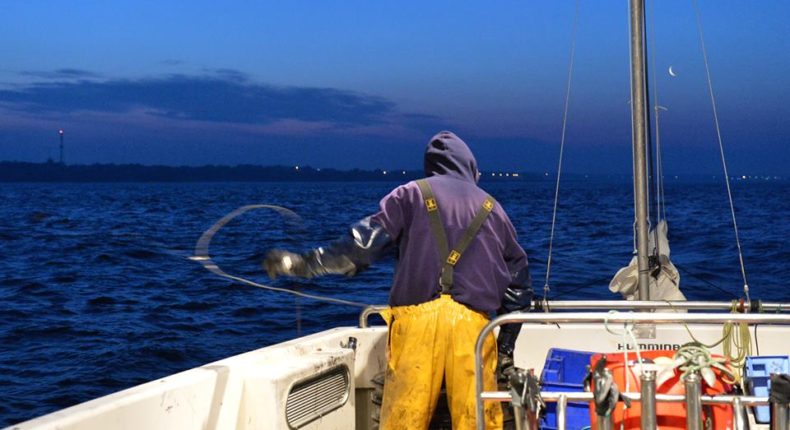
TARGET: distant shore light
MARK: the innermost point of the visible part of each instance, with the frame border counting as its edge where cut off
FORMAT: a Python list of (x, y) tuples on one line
[(296, 167)]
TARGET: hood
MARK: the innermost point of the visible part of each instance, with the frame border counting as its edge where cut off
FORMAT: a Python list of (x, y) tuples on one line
[(448, 155)]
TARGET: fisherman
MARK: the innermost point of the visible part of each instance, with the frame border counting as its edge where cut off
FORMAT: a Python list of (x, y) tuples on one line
[(458, 263)]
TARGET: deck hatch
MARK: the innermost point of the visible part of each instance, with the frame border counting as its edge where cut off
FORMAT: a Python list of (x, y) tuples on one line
[(316, 396)]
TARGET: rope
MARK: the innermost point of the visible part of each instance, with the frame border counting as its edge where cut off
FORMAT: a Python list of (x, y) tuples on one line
[(721, 149), (725, 334), (562, 148), (628, 337), (740, 339), (694, 358), (203, 257)]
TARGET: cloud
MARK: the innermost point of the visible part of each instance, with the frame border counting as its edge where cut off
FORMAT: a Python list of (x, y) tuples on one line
[(220, 96), (228, 74), (65, 73)]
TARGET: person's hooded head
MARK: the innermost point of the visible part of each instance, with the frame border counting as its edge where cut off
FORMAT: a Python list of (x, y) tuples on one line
[(448, 155)]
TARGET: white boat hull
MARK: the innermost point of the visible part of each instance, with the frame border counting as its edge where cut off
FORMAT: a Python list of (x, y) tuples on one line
[(247, 391), (251, 390)]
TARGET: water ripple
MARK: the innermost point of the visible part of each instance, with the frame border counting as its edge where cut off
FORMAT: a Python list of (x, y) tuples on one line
[(99, 295)]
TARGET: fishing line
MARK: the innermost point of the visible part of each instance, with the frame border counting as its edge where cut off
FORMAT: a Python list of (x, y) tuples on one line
[(721, 149), (546, 288), (204, 258)]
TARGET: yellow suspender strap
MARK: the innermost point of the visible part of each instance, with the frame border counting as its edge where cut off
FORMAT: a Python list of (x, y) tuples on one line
[(451, 256)]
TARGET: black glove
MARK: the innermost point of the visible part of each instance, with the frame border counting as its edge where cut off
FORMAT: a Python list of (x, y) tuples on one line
[(280, 262), (348, 255), (504, 368)]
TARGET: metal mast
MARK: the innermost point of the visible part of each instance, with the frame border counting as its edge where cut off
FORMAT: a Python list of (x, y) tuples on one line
[(639, 138)]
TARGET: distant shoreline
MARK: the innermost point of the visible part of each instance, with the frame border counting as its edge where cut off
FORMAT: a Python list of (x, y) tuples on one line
[(12, 171), (57, 172)]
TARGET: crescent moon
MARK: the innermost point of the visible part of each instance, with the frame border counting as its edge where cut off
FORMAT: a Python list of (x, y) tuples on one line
[(672, 72)]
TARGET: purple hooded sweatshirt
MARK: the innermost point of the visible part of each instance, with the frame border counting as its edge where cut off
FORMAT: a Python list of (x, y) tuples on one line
[(484, 271)]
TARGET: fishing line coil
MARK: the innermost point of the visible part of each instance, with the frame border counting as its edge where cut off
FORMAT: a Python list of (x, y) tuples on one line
[(203, 256)]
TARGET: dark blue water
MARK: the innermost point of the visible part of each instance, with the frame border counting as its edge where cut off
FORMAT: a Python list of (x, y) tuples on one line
[(96, 292)]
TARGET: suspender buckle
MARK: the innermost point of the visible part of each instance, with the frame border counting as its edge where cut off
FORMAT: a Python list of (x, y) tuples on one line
[(431, 205), (453, 257), (488, 205)]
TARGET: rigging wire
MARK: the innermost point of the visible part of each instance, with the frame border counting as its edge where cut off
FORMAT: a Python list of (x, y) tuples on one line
[(721, 148), (658, 178), (594, 283), (652, 195), (661, 202), (709, 283), (546, 288), (203, 257)]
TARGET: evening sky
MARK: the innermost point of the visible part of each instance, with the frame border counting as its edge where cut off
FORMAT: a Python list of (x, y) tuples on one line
[(361, 83)]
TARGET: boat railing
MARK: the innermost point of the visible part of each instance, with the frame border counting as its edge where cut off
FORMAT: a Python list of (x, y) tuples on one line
[(562, 398), (754, 306), (741, 306), (367, 312), (618, 318)]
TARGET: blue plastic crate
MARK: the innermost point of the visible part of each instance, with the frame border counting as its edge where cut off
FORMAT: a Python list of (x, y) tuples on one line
[(758, 376), (565, 365), (564, 370), (767, 364)]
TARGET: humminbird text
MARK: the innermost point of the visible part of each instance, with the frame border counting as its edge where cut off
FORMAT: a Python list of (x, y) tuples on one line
[(650, 346)]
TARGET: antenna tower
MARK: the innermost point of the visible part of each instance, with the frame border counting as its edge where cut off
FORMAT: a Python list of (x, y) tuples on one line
[(60, 132)]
